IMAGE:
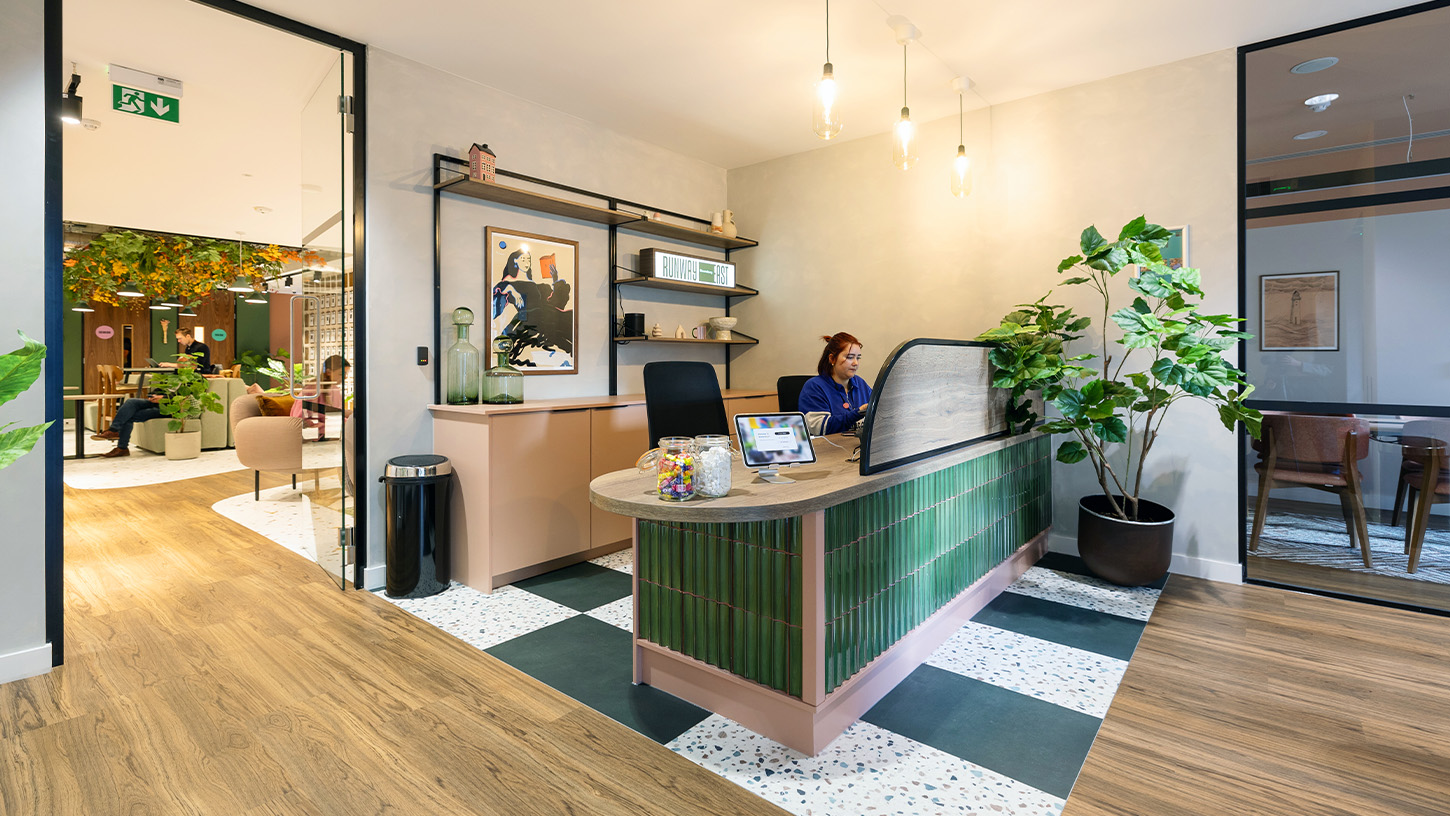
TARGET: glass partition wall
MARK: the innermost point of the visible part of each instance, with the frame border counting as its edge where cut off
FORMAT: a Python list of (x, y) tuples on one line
[(1345, 283)]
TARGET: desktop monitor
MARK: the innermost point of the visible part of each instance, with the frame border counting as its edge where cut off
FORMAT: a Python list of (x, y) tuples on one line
[(769, 442)]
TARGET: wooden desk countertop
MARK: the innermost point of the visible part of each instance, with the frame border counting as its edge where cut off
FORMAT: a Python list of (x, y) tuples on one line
[(830, 481), (571, 404)]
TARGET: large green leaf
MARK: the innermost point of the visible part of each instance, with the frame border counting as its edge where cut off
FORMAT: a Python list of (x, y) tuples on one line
[(1111, 429), (20, 368), (1070, 404), (1133, 228), (1071, 452), (15, 444), (1091, 241), (1069, 262)]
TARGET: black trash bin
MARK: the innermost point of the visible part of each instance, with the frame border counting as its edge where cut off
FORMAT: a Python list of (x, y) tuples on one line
[(416, 506)]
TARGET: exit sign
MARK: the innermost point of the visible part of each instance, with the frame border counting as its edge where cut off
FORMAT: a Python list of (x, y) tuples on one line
[(657, 263), (145, 103)]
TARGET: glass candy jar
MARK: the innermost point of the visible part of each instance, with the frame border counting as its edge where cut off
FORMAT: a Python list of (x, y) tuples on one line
[(463, 362), (713, 459), (503, 384), (673, 463)]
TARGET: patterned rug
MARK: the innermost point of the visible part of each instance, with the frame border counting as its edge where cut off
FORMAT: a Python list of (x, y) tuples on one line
[(1323, 541)]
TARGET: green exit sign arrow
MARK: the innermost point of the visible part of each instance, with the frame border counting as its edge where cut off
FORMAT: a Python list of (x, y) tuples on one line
[(145, 103)]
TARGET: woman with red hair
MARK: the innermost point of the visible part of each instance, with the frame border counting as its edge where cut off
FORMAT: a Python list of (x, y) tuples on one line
[(835, 398)]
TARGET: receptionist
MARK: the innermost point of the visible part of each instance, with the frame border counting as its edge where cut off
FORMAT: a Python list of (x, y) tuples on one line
[(835, 399)]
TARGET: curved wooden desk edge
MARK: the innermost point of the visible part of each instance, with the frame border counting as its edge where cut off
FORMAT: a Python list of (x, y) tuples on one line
[(830, 481)]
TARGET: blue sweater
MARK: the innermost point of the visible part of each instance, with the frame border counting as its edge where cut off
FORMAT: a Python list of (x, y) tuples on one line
[(823, 394)]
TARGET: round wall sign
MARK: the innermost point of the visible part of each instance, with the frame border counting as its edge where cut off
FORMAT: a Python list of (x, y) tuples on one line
[(105, 332), (218, 334)]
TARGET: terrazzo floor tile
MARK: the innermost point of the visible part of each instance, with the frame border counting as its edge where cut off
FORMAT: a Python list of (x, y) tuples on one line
[(1087, 592), (622, 560), (1074, 626), (1072, 678), (1062, 562), (867, 770), (1034, 742), (620, 613), (285, 515), (483, 620)]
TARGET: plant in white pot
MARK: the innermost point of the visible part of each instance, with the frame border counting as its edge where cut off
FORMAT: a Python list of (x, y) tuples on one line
[(1113, 411), (185, 394)]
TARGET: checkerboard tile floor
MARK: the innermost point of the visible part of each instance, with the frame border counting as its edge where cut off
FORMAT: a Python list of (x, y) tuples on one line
[(998, 720)]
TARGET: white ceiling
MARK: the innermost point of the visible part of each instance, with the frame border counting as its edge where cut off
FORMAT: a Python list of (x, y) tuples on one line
[(728, 83)]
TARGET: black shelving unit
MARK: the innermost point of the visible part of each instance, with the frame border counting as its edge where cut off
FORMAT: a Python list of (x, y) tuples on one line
[(450, 175)]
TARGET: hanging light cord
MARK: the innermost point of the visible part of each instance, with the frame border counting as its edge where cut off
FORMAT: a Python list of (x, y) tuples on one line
[(1409, 150), (828, 30), (960, 115), (903, 75)]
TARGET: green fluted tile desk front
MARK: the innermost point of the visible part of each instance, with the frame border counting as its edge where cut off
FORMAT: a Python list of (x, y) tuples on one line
[(794, 608)]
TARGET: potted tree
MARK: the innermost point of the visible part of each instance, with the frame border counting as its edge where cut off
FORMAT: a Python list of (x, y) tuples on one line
[(1111, 411), (185, 394), (19, 370)]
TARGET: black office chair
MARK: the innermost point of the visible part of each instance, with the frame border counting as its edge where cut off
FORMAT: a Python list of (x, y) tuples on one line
[(683, 399), (788, 391)]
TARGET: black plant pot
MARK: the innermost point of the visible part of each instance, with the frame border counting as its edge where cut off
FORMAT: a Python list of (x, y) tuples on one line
[(1127, 553)]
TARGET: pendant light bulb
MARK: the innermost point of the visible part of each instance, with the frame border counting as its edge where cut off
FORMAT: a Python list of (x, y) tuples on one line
[(826, 121), (904, 152), (961, 173)]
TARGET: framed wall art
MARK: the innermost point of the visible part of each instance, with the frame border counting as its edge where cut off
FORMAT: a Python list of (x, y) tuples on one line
[(1299, 312), (1175, 253), (532, 281)]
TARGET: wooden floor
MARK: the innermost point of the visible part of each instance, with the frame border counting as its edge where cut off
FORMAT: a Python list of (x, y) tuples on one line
[(1419, 594), (1252, 700), (209, 671)]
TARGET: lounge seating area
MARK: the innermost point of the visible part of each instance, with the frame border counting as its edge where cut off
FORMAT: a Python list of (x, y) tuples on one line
[(216, 429)]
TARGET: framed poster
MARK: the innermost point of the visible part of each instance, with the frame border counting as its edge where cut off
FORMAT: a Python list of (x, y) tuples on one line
[(1299, 312), (532, 281), (1175, 253)]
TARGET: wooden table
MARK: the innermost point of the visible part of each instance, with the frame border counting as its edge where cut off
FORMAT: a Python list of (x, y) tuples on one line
[(792, 609), (80, 401)]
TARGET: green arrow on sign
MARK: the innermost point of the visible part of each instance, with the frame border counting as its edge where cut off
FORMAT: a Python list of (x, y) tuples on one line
[(145, 103)]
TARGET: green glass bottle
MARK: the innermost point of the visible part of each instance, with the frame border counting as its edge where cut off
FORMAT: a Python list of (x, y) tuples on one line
[(503, 384), (464, 362)]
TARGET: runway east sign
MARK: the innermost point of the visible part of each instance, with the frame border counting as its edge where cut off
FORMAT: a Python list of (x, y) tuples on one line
[(145, 103), (656, 263)]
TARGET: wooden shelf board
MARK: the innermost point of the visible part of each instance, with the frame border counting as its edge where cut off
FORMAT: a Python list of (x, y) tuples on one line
[(684, 286), (738, 340), (694, 236), (514, 197)]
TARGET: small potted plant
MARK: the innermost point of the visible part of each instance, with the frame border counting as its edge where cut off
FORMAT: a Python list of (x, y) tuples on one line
[(185, 394), (1112, 411)]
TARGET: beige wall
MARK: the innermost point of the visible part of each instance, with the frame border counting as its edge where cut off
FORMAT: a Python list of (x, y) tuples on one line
[(850, 243)]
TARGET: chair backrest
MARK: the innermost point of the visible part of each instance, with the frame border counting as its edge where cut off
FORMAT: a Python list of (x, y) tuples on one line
[(1428, 429), (243, 407), (683, 399), (110, 378), (1312, 439), (788, 391)]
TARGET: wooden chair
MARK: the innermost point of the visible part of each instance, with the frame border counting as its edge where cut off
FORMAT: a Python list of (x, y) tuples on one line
[(1428, 481), (112, 381), (1409, 465), (1319, 452)]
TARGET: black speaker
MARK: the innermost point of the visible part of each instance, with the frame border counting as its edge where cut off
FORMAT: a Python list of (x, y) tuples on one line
[(633, 325)]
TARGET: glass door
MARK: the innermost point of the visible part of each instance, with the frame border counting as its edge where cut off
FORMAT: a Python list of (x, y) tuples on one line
[(321, 320)]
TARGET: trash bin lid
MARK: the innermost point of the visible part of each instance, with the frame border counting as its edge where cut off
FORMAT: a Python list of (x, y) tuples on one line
[(417, 466)]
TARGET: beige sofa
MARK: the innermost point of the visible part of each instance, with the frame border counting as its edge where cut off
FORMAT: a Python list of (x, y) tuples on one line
[(216, 429)]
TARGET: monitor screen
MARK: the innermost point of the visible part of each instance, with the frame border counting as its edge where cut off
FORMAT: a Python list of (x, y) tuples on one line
[(773, 440)]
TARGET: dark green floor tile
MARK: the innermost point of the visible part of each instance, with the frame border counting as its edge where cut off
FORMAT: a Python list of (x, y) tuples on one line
[(590, 661), (1030, 740), (1062, 562), (581, 587), (1073, 626)]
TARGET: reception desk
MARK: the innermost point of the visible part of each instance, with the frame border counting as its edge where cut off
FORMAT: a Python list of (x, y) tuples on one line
[(793, 608)]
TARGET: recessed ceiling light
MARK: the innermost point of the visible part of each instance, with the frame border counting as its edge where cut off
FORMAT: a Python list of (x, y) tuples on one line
[(1317, 64), (262, 210), (1311, 134), (1321, 102)]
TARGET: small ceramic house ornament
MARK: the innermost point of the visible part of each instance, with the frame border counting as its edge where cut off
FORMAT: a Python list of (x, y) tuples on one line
[(680, 332), (481, 163)]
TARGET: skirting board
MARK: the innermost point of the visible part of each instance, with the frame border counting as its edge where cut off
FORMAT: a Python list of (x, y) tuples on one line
[(25, 663), (797, 724), (1226, 572), (375, 578)]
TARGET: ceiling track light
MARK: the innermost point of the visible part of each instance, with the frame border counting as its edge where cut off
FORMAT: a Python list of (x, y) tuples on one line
[(70, 102), (962, 164), (904, 152), (826, 119)]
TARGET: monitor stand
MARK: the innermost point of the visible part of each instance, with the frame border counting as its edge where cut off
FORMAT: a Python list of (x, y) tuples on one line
[(773, 476)]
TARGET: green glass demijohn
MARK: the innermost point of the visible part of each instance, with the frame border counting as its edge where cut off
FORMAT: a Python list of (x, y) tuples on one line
[(464, 362), (503, 384)]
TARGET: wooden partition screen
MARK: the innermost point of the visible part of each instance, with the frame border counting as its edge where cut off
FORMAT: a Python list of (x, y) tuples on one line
[(931, 396)]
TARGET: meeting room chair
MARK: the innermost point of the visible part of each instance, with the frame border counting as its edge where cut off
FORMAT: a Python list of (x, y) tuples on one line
[(788, 391), (1319, 452), (1409, 465), (682, 398), (1424, 473)]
